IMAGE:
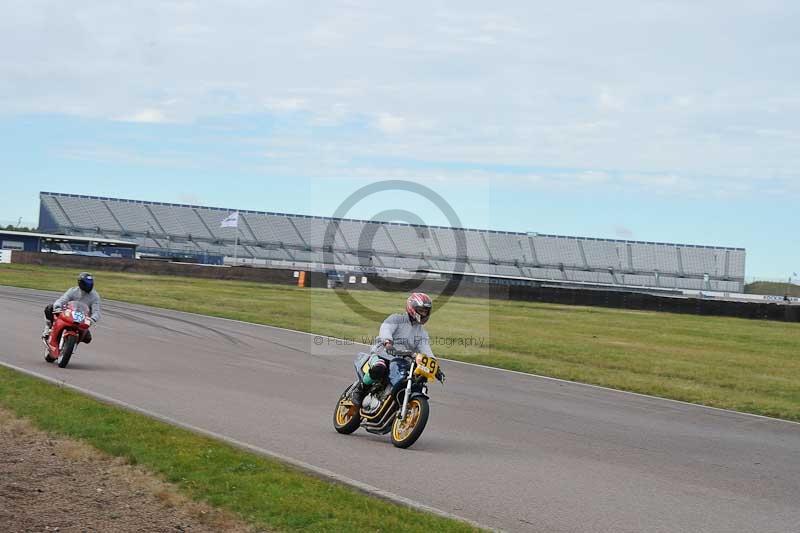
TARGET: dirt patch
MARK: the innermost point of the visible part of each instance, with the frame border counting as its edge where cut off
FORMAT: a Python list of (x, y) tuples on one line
[(57, 484)]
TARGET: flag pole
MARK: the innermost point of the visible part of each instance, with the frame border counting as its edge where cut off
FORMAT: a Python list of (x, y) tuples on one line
[(232, 221)]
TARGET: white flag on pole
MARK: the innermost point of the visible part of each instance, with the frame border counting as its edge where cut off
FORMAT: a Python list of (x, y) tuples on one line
[(232, 221)]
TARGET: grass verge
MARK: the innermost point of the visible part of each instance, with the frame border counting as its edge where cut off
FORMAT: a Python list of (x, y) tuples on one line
[(745, 365), (264, 492)]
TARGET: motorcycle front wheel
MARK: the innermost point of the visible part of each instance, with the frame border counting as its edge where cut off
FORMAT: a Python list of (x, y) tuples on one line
[(346, 417), (67, 347), (405, 432)]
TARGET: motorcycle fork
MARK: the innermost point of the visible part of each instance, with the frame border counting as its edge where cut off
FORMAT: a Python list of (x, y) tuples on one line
[(70, 333), (408, 391), (56, 333), (64, 335)]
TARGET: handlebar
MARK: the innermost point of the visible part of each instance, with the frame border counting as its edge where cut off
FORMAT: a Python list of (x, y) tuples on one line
[(400, 353)]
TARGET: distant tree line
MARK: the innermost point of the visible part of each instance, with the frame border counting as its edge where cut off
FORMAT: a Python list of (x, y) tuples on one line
[(11, 227)]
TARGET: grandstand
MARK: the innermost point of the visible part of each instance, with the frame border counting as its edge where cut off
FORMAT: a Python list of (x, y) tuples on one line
[(285, 240)]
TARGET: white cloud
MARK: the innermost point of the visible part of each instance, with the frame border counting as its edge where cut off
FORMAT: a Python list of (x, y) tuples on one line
[(593, 176), (609, 101), (286, 104), (651, 87), (682, 101), (332, 116), (127, 156), (391, 124), (661, 182), (145, 116)]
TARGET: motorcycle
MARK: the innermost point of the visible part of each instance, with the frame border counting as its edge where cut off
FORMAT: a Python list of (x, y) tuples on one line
[(399, 405), (70, 326)]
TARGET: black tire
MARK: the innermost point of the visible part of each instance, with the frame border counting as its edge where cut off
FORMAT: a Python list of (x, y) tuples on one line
[(400, 438), (66, 350), (346, 418)]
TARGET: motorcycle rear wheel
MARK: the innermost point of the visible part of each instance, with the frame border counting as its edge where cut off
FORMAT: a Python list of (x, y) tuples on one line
[(67, 347), (346, 417), (405, 432)]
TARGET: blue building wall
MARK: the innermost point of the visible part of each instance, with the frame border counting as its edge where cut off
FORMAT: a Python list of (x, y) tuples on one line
[(30, 243)]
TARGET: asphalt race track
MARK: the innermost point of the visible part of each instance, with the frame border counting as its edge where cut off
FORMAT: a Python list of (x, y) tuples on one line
[(509, 451)]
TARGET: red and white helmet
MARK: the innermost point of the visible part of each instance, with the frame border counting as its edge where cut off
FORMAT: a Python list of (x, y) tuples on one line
[(418, 307)]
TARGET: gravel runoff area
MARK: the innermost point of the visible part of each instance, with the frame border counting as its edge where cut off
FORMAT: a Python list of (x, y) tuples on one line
[(50, 483)]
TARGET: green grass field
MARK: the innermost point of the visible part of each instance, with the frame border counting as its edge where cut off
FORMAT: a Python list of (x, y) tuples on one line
[(265, 493), (746, 365)]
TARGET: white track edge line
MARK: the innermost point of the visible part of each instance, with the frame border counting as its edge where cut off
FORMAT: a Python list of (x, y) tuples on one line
[(302, 465), (528, 374)]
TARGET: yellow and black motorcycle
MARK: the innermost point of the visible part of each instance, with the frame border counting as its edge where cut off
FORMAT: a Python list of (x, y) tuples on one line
[(399, 405)]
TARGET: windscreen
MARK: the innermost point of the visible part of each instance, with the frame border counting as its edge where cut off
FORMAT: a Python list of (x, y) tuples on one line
[(79, 306)]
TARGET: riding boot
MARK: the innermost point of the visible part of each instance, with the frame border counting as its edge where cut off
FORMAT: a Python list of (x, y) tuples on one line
[(358, 394)]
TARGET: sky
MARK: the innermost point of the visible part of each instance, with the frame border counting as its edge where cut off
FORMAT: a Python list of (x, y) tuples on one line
[(667, 121)]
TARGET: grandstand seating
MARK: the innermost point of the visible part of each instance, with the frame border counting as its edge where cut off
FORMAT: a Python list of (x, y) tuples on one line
[(283, 230), (603, 254), (736, 261), (698, 261), (310, 231), (262, 229), (636, 280), (349, 235), (558, 250), (133, 218), (161, 228), (587, 277), (476, 246), (508, 247), (411, 240)]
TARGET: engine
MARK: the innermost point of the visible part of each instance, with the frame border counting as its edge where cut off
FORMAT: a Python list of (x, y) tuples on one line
[(373, 401)]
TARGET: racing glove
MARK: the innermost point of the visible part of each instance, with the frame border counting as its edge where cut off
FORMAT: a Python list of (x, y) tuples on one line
[(388, 347)]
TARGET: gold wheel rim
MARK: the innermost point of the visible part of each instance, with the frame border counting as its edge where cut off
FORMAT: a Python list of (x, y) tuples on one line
[(403, 428), (344, 414)]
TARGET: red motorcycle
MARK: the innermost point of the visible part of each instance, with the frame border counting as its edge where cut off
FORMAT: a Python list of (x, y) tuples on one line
[(70, 326)]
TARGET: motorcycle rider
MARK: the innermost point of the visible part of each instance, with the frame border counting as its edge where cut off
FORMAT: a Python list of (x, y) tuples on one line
[(84, 292), (401, 332)]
